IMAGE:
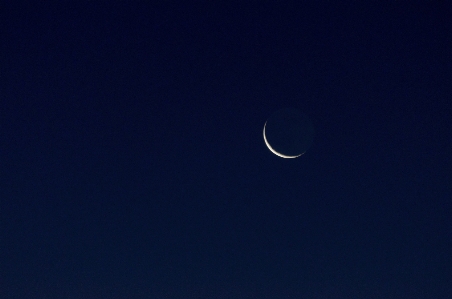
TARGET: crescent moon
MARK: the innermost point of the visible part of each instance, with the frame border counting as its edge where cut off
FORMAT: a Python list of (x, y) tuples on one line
[(275, 152)]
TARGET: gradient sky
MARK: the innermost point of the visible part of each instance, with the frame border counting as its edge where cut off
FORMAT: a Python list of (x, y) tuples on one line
[(133, 163)]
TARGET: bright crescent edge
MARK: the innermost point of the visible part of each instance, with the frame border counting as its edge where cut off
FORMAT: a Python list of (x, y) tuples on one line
[(275, 152)]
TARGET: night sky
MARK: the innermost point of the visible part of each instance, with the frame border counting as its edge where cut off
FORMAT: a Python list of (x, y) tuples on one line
[(133, 163)]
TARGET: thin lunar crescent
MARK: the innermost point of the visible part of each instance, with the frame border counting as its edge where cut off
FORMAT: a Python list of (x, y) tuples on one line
[(275, 152)]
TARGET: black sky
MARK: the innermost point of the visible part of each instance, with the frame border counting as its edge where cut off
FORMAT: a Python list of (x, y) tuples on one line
[(133, 163)]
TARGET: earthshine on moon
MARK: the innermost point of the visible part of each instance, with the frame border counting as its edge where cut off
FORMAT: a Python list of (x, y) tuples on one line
[(288, 133)]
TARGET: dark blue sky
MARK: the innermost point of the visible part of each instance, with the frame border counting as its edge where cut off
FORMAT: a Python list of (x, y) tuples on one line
[(133, 163)]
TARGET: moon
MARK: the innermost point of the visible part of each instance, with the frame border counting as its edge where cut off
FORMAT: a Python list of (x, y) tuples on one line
[(275, 152), (288, 133)]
